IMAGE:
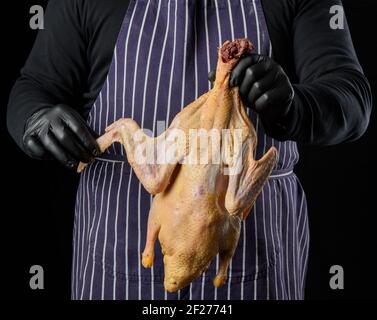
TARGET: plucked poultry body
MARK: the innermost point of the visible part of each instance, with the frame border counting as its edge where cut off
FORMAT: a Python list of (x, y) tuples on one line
[(203, 174)]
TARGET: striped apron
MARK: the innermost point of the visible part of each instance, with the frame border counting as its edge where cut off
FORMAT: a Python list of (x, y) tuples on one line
[(163, 54)]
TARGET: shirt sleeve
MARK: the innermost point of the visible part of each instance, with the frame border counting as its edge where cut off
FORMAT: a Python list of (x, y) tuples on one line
[(56, 69), (332, 101)]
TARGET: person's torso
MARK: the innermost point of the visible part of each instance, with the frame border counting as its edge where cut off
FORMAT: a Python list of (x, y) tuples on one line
[(161, 61)]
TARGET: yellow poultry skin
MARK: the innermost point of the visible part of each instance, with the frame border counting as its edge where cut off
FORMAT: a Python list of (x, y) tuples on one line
[(198, 207)]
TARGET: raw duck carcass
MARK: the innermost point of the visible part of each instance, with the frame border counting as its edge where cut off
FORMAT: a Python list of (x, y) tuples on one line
[(198, 205)]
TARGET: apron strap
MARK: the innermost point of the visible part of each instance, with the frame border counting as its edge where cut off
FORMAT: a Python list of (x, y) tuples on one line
[(118, 158)]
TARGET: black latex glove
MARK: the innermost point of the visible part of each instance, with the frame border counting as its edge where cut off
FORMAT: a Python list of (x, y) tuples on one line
[(60, 132), (264, 87)]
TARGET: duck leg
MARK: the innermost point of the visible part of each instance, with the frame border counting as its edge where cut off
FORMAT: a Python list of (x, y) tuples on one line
[(227, 249), (152, 234)]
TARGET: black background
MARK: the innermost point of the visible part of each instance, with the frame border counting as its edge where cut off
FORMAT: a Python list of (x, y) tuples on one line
[(36, 216)]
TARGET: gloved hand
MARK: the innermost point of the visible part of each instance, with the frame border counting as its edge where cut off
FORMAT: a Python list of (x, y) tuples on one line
[(264, 87), (60, 132)]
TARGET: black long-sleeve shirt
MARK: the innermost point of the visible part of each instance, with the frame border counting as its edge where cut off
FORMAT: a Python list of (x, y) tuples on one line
[(71, 57)]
